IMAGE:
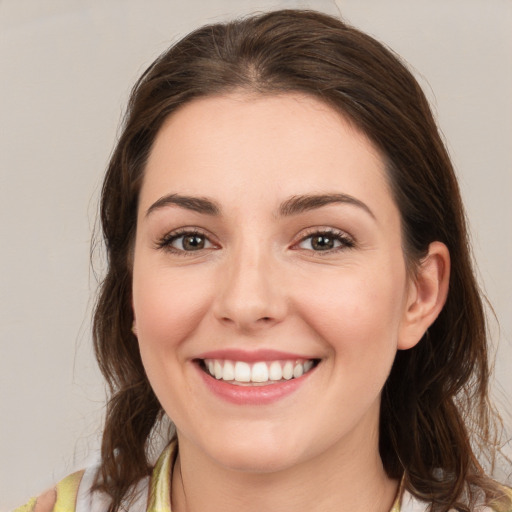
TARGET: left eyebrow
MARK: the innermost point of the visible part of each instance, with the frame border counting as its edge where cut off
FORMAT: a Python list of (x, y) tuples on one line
[(304, 203), (196, 204)]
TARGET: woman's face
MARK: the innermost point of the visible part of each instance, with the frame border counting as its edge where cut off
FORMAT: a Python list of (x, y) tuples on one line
[(268, 245)]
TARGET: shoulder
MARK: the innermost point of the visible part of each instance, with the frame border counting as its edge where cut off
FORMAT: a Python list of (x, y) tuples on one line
[(71, 494), (75, 494), (44, 503), (507, 493), (410, 503), (61, 497)]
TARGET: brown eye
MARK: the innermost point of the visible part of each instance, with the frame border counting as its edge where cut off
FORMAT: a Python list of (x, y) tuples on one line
[(326, 241), (322, 242), (185, 241), (192, 242)]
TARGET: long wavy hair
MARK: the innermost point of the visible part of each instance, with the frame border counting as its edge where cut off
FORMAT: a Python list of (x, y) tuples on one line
[(435, 410)]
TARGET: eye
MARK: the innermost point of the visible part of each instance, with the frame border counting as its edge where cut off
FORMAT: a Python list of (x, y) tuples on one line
[(185, 241), (325, 241)]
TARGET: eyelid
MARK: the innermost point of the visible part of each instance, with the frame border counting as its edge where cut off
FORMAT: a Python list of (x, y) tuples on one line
[(348, 241), (164, 242)]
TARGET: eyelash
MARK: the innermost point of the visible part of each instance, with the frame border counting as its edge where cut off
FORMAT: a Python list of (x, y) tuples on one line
[(346, 242), (166, 241)]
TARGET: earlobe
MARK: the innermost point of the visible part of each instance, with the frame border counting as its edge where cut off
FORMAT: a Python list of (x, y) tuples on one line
[(427, 295)]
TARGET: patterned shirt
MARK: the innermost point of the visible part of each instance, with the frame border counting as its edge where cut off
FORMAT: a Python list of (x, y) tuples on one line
[(153, 493)]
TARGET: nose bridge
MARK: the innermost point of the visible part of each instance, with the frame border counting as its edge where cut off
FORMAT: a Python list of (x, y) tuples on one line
[(250, 295)]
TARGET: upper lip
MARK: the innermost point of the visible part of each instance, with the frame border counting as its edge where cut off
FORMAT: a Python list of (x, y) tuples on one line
[(252, 356)]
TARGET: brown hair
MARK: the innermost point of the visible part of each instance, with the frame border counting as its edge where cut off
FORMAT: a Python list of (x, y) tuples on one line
[(435, 401)]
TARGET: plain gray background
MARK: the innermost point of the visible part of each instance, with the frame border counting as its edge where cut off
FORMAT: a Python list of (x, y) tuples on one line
[(66, 70)]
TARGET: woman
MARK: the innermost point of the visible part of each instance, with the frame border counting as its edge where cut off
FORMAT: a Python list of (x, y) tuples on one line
[(289, 282)]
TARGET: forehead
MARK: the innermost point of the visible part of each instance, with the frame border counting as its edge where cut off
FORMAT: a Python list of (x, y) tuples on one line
[(256, 146)]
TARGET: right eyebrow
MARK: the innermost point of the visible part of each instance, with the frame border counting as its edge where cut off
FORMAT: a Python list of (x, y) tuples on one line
[(303, 203), (196, 204)]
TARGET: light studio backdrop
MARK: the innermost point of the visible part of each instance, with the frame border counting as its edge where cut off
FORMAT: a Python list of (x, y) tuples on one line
[(66, 69)]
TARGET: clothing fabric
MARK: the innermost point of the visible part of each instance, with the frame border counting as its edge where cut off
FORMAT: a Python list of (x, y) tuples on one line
[(153, 494)]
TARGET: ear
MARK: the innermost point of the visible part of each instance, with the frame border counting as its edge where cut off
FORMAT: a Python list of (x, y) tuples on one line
[(427, 294)]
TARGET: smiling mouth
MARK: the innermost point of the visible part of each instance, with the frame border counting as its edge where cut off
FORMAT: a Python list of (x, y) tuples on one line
[(242, 373)]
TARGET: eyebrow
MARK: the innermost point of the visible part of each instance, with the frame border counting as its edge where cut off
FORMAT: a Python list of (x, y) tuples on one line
[(196, 204), (302, 203), (292, 206)]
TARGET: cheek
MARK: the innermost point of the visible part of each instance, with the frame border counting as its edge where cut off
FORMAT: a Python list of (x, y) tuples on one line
[(167, 305), (356, 315)]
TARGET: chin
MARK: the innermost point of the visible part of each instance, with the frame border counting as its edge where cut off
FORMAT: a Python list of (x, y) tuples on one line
[(256, 460), (253, 454)]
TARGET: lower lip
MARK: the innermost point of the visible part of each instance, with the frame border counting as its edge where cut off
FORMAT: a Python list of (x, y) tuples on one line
[(252, 395)]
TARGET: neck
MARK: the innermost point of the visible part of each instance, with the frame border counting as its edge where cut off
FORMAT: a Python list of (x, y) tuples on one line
[(339, 479)]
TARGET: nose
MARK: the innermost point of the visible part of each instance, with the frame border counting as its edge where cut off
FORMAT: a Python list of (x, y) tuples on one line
[(251, 296)]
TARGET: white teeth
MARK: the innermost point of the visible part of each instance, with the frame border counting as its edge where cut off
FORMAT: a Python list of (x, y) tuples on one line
[(308, 365), (217, 370), (228, 371), (242, 372), (298, 370), (288, 370), (258, 372), (275, 371)]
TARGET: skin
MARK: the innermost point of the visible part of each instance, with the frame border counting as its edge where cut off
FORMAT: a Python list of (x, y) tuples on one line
[(259, 283)]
